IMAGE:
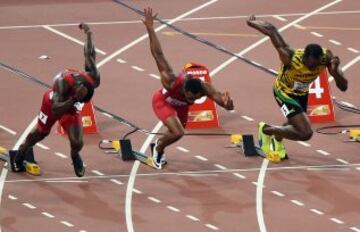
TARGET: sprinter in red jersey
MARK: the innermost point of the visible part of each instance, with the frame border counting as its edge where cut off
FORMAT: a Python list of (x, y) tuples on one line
[(171, 104), (63, 103)]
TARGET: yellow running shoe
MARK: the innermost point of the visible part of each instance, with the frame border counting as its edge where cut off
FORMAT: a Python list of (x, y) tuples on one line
[(264, 139), (280, 148)]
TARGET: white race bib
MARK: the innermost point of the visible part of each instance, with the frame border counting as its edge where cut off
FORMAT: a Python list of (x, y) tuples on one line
[(301, 87)]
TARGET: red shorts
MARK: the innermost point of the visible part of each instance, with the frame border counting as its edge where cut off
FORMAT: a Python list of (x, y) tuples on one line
[(47, 118), (164, 110)]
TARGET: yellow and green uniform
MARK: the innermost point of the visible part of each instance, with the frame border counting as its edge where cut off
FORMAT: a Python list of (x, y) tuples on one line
[(292, 83)]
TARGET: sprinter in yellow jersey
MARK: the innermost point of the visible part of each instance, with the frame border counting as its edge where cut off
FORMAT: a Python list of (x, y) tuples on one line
[(300, 67)]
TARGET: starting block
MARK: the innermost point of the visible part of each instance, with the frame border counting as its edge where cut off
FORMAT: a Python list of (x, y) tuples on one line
[(354, 135), (124, 148), (249, 149), (29, 164)]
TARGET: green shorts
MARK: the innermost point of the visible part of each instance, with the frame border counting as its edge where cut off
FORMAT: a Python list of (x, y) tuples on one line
[(290, 105)]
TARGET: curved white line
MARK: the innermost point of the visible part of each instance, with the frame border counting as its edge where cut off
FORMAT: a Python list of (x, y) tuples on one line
[(259, 196), (4, 170), (131, 181)]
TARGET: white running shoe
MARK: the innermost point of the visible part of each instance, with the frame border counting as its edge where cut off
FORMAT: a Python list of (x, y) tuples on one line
[(156, 157)]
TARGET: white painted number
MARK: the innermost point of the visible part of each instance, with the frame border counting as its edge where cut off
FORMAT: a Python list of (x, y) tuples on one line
[(315, 88)]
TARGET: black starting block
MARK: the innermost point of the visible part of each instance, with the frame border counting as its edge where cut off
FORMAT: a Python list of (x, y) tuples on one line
[(247, 145), (124, 148), (29, 164)]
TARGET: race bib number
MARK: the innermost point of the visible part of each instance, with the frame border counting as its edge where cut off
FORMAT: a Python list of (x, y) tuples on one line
[(301, 87), (43, 117), (285, 110), (79, 106)]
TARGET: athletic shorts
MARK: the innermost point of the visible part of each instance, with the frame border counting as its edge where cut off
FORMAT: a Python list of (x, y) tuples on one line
[(164, 110), (290, 105), (47, 118)]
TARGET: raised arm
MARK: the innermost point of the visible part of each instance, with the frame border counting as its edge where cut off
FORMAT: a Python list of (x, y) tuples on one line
[(166, 73), (285, 52), (222, 99), (333, 67), (90, 54)]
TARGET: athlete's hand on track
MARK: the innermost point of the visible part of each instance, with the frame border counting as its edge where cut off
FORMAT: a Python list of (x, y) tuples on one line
[(149, 17), (85, 27), (228, 103)]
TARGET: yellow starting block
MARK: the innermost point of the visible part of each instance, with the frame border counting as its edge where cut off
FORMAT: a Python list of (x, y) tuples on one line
[(354, 135), (32, 168), (246, 143), (29, 164)]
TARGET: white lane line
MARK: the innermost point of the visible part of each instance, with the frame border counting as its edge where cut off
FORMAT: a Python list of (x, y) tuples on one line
[(107, 115), (46, 214), (116, 181), (145, 36), (336, 220), (137, 68), (280, 18), (42, 146), (61, 155), (96, 172), (220, 166), (153, 199), (210, 226), (185, 19), (259, 195), (70, 38), (68, 224), (247, 118), (8, 130), (323, 152), (318, 212), (154, 76), (316, 34), (239, 175), (12, 197), (335, 42), (304, 144), (276, 193), (254, 45), (30, 206), (137, 191), (342, 161), (4, 171), (358, 168), (299, 27), (121, 61), (195, 219), (346, 66), (172, 208), (182, 149), (296, 202), (351, 63), (201, 158), (354, 229), (353, 50), (67, 181), (131, 181), (258, 185)]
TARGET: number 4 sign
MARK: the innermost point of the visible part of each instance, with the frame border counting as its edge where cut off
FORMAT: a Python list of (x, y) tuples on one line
[(320, 103)]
